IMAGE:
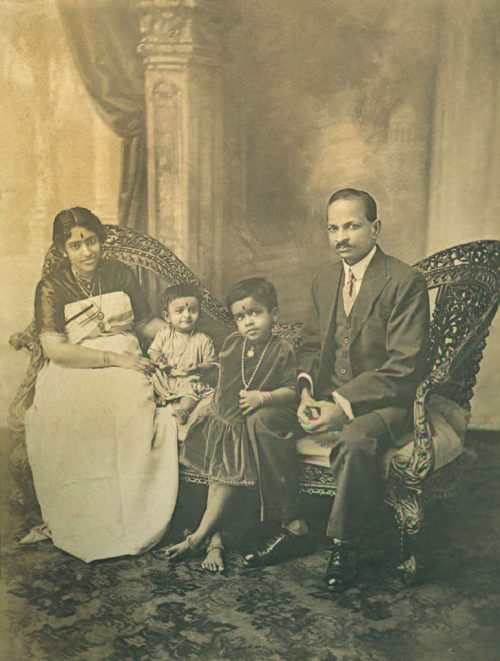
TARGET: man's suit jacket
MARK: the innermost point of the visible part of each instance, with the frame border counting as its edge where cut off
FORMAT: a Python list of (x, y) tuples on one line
[(389, 338)]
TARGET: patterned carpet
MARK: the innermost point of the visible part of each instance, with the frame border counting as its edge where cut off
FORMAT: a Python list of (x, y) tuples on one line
[(56, 607)]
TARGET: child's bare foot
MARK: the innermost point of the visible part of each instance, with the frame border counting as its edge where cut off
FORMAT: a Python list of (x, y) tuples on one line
[(179, 551), (214, 560)]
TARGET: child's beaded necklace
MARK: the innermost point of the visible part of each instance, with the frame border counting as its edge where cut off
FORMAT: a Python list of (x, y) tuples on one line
[(248, 383)]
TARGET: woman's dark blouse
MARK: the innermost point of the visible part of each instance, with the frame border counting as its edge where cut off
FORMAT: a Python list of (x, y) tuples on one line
[(60, 288)]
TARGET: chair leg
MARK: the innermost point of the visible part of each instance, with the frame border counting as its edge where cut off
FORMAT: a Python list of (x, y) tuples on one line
[(410, 568), (409, 514)]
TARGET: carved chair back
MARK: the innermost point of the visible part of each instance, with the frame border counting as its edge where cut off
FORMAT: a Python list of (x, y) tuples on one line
[(467, 280)]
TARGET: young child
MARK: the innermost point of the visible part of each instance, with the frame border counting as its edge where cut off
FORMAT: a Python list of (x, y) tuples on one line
[(245, 439), (181, 354)]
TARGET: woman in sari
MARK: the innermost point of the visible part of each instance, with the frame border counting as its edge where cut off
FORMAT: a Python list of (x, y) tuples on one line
[(106, 483)]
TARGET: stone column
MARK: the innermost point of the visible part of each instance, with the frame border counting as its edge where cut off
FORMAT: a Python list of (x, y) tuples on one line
[(182, 52)]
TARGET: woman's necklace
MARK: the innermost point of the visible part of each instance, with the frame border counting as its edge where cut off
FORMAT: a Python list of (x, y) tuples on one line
[(248, 383), (87, 287), (88, 290)]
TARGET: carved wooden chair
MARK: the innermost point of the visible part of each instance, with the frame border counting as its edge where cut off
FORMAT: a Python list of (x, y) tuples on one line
[(466, 283)]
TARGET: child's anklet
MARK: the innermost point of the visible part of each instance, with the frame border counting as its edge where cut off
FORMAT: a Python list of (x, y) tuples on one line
[(215, 547), (190, 543)]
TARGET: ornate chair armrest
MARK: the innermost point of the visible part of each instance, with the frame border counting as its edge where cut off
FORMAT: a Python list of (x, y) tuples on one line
[(413, 470), (27, 339), (421, 462)]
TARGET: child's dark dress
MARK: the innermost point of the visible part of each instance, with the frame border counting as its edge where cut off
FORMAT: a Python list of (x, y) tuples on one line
[(258, 448)]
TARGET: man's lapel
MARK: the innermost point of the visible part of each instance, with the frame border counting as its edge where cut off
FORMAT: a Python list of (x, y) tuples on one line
[(373, 282), (332, 292)]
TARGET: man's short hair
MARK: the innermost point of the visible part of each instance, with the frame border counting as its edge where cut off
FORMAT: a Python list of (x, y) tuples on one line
[(354, 194), (179, 291), (260, 289)]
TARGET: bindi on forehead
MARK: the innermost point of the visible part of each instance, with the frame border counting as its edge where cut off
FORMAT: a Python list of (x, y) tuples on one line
[(81, 234), (184, 302)]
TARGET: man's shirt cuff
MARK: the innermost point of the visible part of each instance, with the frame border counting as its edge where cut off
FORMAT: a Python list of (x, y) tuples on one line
[(344, 404), (304, 376)]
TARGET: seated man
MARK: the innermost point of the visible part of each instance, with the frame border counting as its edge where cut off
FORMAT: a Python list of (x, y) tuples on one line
[(364, 352)]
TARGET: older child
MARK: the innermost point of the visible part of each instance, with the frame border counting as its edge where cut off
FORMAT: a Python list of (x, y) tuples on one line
[(246, 439), (181, 354)]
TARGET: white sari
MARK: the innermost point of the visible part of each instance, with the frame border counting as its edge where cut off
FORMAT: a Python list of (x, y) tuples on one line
[(105, 474)]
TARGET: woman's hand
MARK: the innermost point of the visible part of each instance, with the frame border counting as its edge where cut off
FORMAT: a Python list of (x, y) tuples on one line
[(131, 362), (250, 401)]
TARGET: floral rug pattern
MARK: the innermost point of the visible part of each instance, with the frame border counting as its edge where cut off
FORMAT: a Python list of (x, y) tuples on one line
[(142, 608)]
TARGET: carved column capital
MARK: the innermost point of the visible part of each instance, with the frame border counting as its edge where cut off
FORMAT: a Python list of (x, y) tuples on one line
[(177, 31), (183, 53)]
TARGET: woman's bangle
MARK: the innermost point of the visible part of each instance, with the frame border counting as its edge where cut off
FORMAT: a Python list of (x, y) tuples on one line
[(105, 359)]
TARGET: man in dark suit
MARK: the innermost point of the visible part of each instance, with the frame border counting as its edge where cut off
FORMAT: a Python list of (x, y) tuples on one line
[(363, 355), (365, 348)]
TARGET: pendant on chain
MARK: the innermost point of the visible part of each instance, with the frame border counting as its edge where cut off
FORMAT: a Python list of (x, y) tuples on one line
[(244, 353)]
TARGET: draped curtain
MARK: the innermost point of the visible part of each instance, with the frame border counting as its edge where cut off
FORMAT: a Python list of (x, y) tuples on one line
[(103, 36), (464, 195)]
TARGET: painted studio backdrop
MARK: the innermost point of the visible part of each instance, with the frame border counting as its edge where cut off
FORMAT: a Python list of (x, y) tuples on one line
[(222, 127)]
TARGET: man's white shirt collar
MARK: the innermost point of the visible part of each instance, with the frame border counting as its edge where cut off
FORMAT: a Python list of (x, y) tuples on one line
[(359, 269)]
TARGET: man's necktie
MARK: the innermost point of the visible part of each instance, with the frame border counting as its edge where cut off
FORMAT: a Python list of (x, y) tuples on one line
[(349, 292), (350, 283)]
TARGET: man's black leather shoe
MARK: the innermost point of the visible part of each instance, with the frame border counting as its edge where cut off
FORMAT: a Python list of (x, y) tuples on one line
[(279, 548), (341, 570)]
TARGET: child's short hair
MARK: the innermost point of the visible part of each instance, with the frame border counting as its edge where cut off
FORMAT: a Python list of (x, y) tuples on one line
[(179, 291), (259, 289)]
